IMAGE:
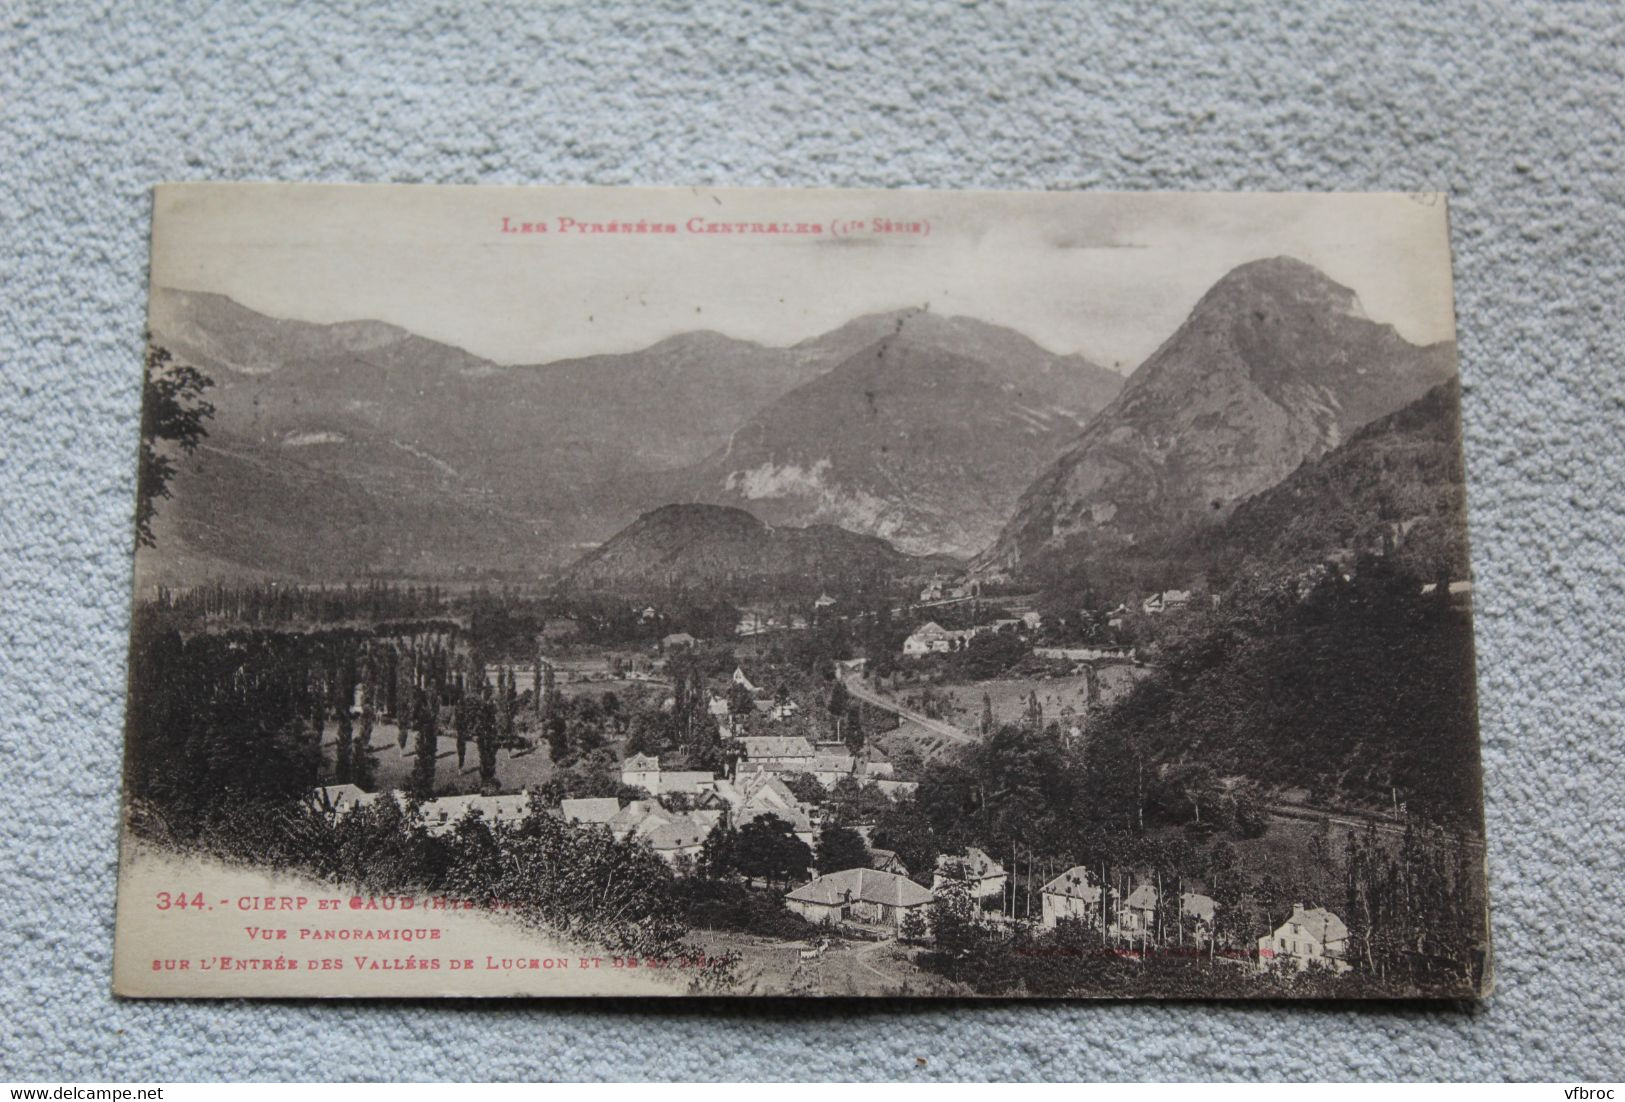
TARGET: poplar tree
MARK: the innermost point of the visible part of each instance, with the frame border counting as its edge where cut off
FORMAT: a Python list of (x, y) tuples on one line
[(428, 744)]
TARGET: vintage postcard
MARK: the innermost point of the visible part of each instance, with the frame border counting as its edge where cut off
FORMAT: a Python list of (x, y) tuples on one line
[(768, 592)]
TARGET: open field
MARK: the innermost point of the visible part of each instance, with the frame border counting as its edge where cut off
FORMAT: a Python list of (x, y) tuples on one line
[(770, 967), (1009, 695), (392, 765), (625, 688), (962, 704)]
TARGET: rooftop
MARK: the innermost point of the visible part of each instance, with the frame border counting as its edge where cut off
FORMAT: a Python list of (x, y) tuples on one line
[(862, 885)]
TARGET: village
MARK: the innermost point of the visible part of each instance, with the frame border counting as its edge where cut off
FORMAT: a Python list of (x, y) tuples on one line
[(933, 787), (794, 802)]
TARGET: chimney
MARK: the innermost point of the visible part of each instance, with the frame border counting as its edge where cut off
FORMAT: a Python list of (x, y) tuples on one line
[(1297, 909)]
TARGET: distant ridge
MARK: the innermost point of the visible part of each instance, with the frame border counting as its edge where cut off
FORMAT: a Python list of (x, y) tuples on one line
[(695, 545)]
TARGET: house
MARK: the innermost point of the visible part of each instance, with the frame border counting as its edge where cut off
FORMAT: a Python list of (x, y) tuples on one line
[(859, 895), (927, 638), (1087, 653), (677, 640), (744, 682), (1032, 621), (340, 799), (590, 812), (649, 613), (1198, 911), (886, 860), (1071, 895), (1166, 601), (800, 822), (560, 630), (1309, 936), (830, 768), (642, 771), (675, 837), (850, 667), (984, 876), (639, 817), (824, 601), (775, 709), (688, 782), (874, 765), (679, 841), (790, 751), (441, 816), (758, 789), (1138, 914)]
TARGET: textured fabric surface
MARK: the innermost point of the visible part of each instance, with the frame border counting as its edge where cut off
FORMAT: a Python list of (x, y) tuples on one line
[(1515, 110)]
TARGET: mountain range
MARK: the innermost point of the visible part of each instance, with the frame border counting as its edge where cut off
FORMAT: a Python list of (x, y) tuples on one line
[(360, 448), (354, 448)]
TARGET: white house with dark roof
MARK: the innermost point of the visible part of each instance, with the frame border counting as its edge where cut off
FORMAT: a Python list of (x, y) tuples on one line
[(1309, 936), (859, 895)]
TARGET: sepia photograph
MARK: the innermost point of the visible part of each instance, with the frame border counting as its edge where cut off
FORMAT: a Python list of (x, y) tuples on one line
[(688, 591)]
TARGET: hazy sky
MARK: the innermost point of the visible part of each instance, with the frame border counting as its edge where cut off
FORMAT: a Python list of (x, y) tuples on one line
[(1109, 275)]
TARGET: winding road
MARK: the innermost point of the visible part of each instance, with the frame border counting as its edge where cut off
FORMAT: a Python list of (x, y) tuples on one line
[(936, 726)]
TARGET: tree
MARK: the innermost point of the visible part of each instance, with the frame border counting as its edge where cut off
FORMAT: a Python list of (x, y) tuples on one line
[(804, 787), (1035, 712), (485, 736), (914, 927), (428, 745), (855, 736), (719, 852), (172, 412), (952, 923), (740, 702), (840, 848), (768, 849), (987, 715), (839, 701), (361, 771), (342, 769)]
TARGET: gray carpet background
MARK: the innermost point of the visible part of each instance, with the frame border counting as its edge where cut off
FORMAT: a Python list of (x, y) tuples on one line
[(1515, 110)]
